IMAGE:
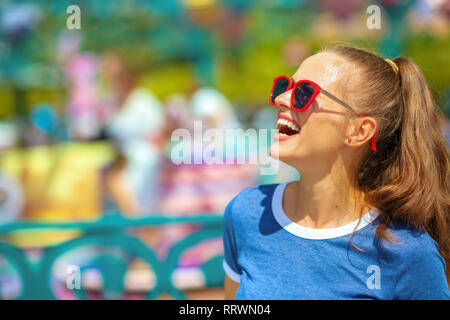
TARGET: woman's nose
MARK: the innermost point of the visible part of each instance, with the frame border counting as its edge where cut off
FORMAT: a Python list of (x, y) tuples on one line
[(284, 99)]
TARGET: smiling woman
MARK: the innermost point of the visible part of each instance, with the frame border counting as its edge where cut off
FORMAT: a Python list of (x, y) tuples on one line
[(360, 205)]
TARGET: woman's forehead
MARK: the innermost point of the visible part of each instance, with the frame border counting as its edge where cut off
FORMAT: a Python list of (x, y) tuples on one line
[(323, 68)]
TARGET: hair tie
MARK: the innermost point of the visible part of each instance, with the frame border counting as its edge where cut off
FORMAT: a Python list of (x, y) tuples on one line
[(392, 64)]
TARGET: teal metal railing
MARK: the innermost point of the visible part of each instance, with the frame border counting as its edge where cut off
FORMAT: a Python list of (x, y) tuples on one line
[(110, 232)]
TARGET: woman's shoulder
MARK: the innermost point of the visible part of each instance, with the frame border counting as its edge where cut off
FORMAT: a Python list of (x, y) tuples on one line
[(249, 199), (410, 243), (419, 265)]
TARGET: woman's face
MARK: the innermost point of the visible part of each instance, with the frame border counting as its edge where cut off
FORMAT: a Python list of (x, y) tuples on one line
[(323, 127)]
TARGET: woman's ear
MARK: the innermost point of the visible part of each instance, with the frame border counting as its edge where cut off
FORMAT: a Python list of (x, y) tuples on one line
[(361, 131)]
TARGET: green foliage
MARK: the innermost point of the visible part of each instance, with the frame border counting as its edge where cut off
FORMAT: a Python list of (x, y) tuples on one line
[(432, 55)]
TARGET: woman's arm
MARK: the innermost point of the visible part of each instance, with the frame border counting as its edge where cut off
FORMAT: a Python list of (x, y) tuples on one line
[(230, 288)]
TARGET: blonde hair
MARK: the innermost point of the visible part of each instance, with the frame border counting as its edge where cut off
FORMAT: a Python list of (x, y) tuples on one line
[(407, 179)]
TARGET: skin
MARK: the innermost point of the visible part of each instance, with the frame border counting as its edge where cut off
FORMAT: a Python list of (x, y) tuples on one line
[(230, 288), (322, 153)]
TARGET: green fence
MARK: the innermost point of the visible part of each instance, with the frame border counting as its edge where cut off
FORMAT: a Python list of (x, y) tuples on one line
[(110, 232)]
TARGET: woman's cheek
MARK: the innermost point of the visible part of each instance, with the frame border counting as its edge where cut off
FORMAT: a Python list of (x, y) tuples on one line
[(322, 137)]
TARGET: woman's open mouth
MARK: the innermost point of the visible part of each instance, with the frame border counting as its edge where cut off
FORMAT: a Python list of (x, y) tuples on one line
[(286, 128)]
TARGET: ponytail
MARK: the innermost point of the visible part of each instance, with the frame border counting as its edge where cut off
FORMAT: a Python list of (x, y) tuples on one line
[(416, 185)]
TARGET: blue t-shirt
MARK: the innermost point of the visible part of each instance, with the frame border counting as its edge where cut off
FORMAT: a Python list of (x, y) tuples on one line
[(274, 258)]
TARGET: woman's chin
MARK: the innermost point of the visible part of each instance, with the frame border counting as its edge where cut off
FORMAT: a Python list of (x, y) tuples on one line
[(283, 153), (284, 145)]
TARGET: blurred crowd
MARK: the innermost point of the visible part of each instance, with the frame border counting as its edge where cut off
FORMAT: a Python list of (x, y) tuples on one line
[(110, 153)]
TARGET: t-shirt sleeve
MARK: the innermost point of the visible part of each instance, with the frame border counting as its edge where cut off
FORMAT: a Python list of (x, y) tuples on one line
[(423, 275), (230, 262)]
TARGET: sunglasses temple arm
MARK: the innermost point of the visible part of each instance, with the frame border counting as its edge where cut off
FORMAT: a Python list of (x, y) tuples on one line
[(329, 95)]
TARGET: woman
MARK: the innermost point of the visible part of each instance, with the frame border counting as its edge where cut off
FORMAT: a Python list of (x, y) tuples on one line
[(369, 218)]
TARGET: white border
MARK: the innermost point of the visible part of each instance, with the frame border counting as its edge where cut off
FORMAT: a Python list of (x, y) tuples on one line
[(311, 233), (236, 277)]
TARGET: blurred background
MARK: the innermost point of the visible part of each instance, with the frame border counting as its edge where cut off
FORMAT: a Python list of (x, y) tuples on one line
[(88, 191)]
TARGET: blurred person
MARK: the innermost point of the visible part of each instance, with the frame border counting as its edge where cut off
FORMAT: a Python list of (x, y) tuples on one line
[(371, 211), (136, 127), (91, 103), (81, 69)]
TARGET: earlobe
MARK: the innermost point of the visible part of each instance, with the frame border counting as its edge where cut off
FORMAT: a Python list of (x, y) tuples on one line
[(351, 133)]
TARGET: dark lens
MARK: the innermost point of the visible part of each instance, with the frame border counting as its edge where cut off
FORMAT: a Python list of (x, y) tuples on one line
[(303, 94), (280, 87)]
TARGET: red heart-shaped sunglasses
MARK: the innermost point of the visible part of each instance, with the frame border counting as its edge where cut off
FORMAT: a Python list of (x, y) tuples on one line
[(303, 94)]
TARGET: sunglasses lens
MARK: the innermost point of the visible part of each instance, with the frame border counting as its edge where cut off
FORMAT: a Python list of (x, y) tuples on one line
[(303, 94), (280, 86)]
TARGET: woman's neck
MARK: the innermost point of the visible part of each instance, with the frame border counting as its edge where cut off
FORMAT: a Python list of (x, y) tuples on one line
[(326, 201)]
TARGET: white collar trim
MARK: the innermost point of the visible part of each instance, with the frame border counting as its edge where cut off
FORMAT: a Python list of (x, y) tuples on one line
[(311, 233)]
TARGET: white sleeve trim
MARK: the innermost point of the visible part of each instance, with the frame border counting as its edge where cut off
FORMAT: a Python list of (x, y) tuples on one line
[(236, 277)]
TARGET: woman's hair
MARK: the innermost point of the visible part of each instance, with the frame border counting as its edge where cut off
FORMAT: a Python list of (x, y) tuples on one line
[(407, 178)]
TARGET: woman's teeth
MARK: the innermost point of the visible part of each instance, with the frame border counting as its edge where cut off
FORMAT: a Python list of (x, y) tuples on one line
[(287, 127)]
